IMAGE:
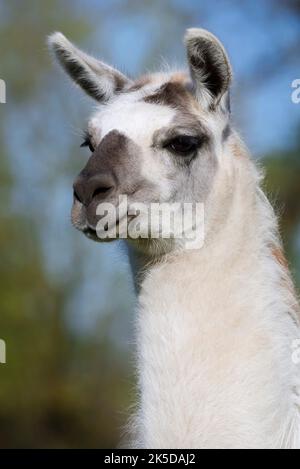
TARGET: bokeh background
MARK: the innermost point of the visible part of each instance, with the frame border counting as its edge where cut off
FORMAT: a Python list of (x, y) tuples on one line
[(66, 304)]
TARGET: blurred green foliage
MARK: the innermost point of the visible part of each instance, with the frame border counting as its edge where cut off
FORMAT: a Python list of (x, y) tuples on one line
[(60, 388)]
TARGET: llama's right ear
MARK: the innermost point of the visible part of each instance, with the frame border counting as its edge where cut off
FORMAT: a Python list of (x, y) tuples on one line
[(209, 65), (96, 78)]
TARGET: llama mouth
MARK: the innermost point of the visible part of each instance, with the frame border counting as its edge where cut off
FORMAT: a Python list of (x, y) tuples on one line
[(89, 231), (93, 234)]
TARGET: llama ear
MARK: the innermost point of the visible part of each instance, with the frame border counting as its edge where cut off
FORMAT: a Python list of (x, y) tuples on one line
[(209, 65), (96, 78)]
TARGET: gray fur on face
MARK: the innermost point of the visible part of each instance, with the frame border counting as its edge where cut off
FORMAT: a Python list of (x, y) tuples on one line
[(116, 163), (193, 181), (170, 94)]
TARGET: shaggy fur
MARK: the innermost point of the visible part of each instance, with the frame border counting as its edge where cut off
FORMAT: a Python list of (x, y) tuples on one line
[(215, 326)]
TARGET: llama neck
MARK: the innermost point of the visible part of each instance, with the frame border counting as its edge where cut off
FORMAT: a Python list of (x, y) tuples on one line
[(210, 337)]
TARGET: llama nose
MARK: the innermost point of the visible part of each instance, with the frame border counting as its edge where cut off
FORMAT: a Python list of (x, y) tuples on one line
[(96, 187)]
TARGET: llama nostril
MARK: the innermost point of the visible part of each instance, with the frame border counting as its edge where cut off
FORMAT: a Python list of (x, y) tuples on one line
[(100, 185), (101, 190), (88, 189)]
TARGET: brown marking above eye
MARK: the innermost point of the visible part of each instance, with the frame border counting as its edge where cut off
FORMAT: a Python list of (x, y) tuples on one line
[(172, 94), (179, 78)]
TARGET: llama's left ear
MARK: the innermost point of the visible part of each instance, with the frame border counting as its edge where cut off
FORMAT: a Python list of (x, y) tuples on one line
[(96, 78), (209, 65)]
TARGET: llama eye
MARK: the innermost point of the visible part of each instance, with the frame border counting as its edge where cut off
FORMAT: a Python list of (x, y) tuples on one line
[(183, 145), (87, 143)]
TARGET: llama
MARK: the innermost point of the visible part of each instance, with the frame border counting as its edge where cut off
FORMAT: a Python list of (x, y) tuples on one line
[(215, 326)]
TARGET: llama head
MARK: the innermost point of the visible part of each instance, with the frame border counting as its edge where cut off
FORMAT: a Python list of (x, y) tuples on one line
[(158, 139)]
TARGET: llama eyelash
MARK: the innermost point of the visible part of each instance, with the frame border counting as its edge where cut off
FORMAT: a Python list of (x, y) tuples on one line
[(87, 141)]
